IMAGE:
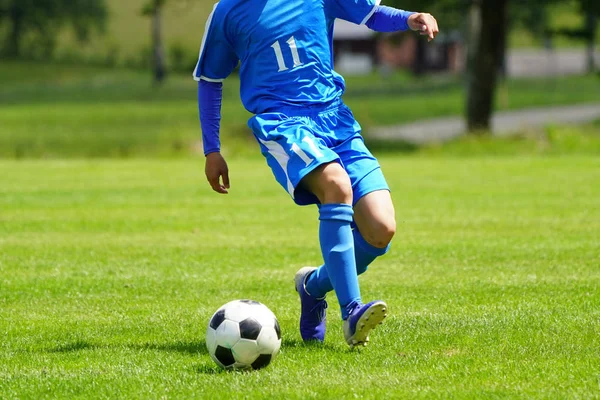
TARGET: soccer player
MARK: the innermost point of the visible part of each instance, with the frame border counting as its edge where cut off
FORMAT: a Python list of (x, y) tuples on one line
[(309, 138)]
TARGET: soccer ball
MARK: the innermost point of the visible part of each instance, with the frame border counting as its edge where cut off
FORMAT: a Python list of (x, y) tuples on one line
[(243, 334)]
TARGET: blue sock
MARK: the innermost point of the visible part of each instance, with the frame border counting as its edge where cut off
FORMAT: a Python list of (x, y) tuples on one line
[(337, 246), (318, 283)]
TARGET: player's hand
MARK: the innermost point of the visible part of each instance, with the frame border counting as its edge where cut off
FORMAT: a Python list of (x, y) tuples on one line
[(425, 24), (215, 169)]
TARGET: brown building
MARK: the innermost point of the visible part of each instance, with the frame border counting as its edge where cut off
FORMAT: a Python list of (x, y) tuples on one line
[(357, 50)]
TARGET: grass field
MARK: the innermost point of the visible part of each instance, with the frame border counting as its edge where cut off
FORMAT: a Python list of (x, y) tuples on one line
[(110, 270), (64, 111)]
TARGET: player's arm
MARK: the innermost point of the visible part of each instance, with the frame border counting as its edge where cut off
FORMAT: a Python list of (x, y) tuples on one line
[(381, 18), (389, 19), (210, 95), (217, 60)]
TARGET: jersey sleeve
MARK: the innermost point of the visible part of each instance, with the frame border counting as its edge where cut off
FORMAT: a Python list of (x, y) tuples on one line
[(356, 11), (217, 56)]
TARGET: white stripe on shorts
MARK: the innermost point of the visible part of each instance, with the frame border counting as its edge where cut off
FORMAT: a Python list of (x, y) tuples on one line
[(282, 158)]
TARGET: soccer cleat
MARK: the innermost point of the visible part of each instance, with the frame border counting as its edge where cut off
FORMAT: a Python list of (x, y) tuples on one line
[(313, 310), (362, 320)]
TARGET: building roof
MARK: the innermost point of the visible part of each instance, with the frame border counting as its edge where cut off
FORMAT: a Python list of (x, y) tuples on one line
[(347, 31)]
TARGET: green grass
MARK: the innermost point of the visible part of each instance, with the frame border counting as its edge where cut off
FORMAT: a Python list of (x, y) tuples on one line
[(552, 140), (110, 270), (66, 111)]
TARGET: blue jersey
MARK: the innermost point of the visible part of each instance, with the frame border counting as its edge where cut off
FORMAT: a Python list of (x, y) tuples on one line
[(285, 49)]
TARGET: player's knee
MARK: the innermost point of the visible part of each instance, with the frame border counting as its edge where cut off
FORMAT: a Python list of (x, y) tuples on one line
[(385, 233), (382, 233)]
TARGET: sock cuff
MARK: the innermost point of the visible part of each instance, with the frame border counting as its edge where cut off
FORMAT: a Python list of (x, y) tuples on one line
[(336, 212), (366, 246)]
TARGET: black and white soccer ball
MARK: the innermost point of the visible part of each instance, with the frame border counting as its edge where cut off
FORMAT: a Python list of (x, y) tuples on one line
[(243, 334)]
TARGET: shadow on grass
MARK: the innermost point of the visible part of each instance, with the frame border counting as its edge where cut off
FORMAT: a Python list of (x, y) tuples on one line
[(191, 347), (296, 344), (390, 146), (387, 88), (184, 347), (73, 347)]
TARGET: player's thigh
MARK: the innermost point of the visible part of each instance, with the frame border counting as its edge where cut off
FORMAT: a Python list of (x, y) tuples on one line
[(362, 167), (375, 218), (330, 183)]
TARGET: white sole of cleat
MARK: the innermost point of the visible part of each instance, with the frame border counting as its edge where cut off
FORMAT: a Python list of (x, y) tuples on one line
[(301, 276), (373, 317)]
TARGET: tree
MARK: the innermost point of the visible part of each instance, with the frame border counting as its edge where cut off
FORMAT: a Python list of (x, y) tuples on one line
[(486, 48), (487, 42), (591, 10), (45, 19), (591, 27), (154, 9), (486, 21)]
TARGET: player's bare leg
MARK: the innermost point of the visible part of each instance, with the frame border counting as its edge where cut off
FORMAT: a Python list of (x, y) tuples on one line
[(375, 218), (375, 221)]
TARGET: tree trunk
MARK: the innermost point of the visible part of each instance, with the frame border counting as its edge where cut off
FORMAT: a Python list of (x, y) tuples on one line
[(420, 61), (13, 40), (591, 26), (502, 47), (487, 41), (159, 64)]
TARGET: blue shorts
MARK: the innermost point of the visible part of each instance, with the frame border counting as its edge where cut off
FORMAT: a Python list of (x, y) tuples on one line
[(296, 140)]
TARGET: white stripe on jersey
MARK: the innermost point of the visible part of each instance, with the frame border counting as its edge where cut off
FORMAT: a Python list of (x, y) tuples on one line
[(208, 79), (364, 21), (206, 28)]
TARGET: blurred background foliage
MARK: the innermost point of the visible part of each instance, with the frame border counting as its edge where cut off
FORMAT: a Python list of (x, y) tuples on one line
[(76, 75), (115, 32)]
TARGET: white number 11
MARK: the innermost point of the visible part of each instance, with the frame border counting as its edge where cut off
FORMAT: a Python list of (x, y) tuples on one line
[(279, 54)]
